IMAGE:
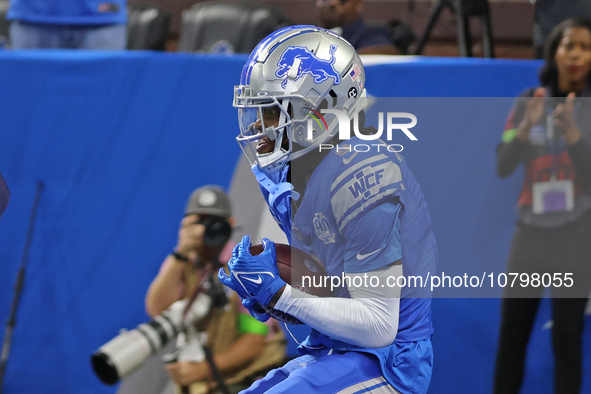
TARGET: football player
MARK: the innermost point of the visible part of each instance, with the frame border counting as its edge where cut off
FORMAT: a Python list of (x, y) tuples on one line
[(361, 213)]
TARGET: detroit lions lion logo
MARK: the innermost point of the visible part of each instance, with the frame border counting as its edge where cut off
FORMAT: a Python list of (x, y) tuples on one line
[(310, 64)]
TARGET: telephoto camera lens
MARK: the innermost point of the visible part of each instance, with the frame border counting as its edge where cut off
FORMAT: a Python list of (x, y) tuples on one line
[(125, 353)]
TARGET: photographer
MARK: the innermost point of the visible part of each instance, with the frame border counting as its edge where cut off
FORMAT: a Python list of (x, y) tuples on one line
[(243, 347), (549, 131)]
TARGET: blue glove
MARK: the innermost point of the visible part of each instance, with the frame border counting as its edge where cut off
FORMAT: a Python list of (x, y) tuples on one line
[(255, 309), (225, 279), (255, 277)]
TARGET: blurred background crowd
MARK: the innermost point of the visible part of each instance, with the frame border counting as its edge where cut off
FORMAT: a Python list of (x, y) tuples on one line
[(501, 28)]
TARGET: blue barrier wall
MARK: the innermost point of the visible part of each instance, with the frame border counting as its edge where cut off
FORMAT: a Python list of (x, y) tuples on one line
[(120, 141)]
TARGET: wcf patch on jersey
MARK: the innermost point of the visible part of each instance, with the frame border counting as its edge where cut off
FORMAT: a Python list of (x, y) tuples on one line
[(366, 182)]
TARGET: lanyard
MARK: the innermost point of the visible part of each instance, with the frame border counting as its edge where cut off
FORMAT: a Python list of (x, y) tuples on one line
[(554, 144)]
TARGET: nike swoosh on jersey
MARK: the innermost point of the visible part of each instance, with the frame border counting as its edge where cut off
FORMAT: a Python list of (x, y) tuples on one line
[(362, 256)]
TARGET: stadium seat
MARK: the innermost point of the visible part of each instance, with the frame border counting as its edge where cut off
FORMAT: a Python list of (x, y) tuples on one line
[(227, 27), (3, 23), (147, 26)]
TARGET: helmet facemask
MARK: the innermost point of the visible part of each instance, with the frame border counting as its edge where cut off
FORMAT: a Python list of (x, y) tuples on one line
[(266, 127), (293, 123)]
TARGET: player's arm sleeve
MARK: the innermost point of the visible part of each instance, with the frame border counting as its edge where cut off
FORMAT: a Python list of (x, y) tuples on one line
[(370, 317)]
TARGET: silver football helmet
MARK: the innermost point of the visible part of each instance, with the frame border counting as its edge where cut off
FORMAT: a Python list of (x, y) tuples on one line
[(289, 78)]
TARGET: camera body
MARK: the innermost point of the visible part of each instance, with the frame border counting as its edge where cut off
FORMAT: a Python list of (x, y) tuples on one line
[(217, 230)]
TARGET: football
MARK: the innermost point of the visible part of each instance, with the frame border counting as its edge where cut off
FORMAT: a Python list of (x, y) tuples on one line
[(294, 264)]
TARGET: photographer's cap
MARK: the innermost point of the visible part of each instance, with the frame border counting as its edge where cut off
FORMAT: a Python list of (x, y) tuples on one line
[(209, 200)]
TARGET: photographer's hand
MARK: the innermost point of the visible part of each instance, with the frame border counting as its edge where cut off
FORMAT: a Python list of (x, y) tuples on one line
[(170, 284), (185, 373), (533, 112), (190, 239), (564, 120)]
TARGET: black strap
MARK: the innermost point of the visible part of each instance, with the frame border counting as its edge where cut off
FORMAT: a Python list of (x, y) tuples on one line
[(217, 375), (179, 256)]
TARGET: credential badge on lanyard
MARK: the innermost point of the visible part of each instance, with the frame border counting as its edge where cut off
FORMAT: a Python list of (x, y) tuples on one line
[(554, 195)]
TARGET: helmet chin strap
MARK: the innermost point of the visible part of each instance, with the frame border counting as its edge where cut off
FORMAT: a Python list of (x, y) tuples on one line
[(279, 197), (277, 191)]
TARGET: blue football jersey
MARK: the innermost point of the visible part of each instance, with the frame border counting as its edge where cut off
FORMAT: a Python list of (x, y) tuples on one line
[(362, 211)]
